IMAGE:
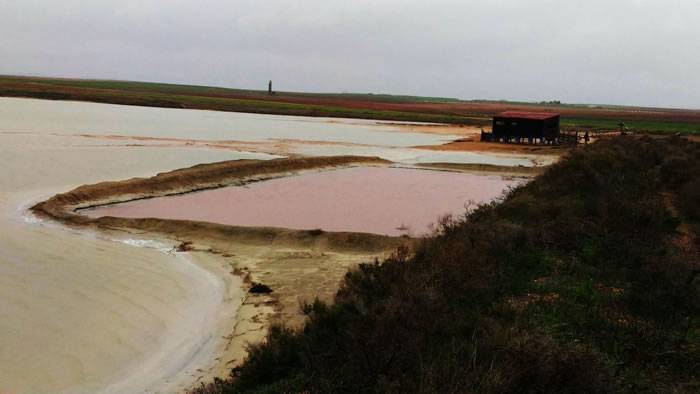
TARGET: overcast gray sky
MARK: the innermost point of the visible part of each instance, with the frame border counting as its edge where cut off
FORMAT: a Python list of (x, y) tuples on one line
[(585, 51)]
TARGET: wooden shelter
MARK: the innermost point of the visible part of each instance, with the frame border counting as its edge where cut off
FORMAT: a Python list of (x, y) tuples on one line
[(542, 127)]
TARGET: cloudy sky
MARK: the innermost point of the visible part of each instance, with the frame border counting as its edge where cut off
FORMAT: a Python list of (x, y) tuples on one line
[(584, 51)]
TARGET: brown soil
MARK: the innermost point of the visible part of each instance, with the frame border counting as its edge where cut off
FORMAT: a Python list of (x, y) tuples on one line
[(482, 109), (479, 110), (472, 144), (487, 168), (340, 242)]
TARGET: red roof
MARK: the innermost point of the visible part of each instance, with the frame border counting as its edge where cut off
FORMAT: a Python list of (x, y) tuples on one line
[(528, 115)]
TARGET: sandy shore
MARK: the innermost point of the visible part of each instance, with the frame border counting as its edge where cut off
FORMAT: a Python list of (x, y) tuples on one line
[(472, 144), (85, 311), (298, 265)]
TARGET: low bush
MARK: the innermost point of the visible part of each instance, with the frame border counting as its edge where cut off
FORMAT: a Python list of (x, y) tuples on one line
[(574, 283)]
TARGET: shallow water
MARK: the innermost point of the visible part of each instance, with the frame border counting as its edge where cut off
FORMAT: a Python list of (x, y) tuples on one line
[(42, 116), (380, 200), (83, 313), (80, 313)]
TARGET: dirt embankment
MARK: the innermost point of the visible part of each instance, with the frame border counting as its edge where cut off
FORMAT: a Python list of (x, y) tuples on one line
[(486, 168), (472, 144), (63, 207), (198, 177)]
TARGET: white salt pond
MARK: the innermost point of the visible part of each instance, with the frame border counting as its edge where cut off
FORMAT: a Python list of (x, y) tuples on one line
[(65, 117)]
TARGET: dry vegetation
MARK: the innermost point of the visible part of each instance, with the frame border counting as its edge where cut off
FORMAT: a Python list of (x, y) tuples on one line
[(584, 280)]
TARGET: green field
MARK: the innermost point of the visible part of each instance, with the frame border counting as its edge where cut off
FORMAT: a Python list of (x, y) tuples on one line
[(662, 127)]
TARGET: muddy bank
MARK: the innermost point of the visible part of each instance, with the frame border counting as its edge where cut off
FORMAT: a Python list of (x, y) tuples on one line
[(486, 168), (473, 144), (340, 242), (62, 206), (438, 128), (298, 266), (65, 207)]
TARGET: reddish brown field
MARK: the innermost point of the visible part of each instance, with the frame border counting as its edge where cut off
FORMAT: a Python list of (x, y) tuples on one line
[(481, 109), (366, 106)]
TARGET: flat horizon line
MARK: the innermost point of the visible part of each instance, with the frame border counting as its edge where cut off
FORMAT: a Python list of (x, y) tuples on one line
[(304, 92)]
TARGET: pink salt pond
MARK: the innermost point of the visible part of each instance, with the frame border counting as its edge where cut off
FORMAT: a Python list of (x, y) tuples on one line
[(380, 200)]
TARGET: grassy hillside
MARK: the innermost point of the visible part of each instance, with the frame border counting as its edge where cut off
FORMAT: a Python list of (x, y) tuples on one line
[(349, 105), (584, 280)]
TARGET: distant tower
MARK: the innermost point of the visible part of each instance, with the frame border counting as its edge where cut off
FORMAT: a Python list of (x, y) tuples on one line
[(269, 88)]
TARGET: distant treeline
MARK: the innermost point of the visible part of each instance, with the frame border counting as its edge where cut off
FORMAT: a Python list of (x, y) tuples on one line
[(584, 280)]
